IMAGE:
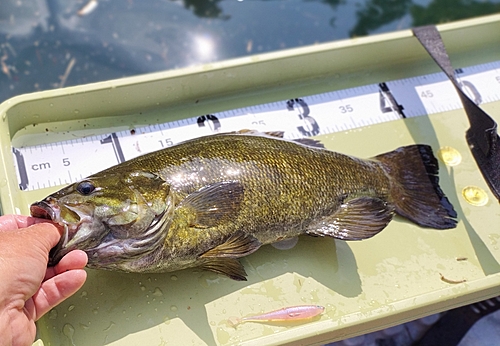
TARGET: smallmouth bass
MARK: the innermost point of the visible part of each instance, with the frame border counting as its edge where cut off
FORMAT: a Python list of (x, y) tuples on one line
[(208, 201)]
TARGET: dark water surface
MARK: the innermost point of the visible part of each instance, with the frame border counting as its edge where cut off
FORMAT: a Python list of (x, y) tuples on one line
[(46, 44)]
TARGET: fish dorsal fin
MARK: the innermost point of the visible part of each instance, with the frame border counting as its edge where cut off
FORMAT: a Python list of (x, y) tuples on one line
[(356, 219), (277, 134), (237, 245), (310, 142), (229, 267), (281, 134), (214, 204)]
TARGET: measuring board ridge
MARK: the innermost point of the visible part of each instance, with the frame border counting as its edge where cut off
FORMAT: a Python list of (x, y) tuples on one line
[(64, 162)]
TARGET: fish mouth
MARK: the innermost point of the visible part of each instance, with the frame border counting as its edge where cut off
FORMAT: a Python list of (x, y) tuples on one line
[(50, 211), (44, 210)]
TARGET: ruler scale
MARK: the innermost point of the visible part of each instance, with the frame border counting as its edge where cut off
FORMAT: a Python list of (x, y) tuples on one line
[(68, 161)]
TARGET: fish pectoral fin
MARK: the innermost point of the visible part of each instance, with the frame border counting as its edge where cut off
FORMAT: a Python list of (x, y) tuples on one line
[(214, 204), (229, 267), (237, 245), (356, 219)]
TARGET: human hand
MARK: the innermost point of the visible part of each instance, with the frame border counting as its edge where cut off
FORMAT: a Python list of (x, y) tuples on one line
[(28, 289)]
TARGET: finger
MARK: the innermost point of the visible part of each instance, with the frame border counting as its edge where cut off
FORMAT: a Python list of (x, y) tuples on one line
[(53, 291), (35, 220), (76, 259), (45, 235), (12, 222)]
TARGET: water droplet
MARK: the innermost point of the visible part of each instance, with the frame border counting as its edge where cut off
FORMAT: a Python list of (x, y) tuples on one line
[(222, 336), (51, 104), (84, 326), (143, 288), (450, 156), (83, 294), (173, 308), (475, 195), (111, 324), (157, 292), (286, 244), (76, 111), (139, 315), (52, 314), (95, 311), (69, 331), (494, 238), (174, 277), (71, 307)]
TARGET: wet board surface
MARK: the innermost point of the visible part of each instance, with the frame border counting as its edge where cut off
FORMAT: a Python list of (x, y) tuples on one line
[(395, 276)]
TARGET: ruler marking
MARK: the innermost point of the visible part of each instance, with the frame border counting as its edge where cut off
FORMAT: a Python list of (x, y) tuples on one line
[(323, 113), (21, 168)]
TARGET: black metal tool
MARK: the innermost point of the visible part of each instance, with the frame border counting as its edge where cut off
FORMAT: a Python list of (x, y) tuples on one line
[(482, 136)]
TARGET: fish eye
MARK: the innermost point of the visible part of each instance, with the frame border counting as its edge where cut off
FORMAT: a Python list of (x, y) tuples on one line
[(85, 188)]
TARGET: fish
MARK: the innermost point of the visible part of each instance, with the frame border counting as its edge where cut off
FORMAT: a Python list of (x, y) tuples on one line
[(209, 201), (297, 313)]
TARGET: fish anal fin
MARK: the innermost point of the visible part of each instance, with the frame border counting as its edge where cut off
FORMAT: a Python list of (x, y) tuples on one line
[(229, 267), (356, 219), (237, 245), (214, 204)]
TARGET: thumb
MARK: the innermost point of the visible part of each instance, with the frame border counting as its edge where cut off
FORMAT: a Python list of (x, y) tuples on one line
[(43, 235)]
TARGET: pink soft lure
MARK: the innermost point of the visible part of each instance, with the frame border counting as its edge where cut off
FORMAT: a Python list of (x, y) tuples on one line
[(290, 314)]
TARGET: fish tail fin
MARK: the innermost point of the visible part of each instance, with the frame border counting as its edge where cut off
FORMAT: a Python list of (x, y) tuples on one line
[(415, 190)]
